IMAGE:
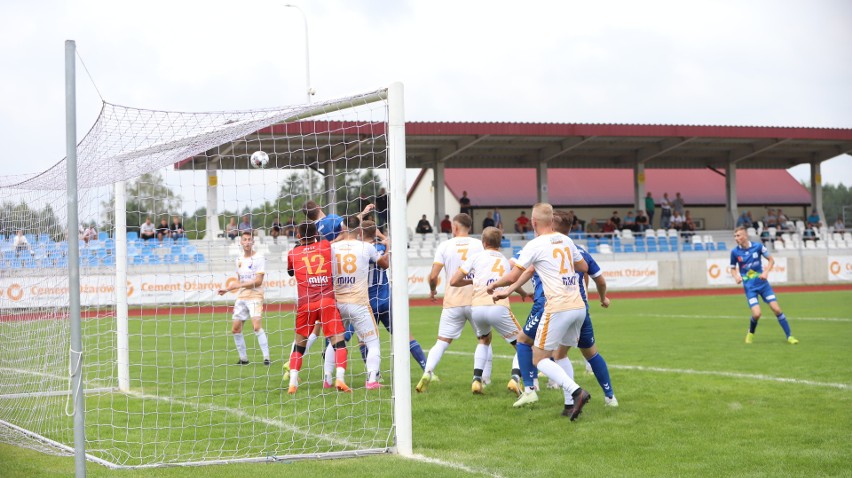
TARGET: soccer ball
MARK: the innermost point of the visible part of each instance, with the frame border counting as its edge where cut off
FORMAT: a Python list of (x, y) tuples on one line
[(259, 159)]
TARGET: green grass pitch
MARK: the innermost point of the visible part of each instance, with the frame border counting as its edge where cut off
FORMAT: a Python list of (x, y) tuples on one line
[(694, 401)]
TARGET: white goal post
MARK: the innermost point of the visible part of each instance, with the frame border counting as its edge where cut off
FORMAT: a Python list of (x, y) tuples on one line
[(160, 376)]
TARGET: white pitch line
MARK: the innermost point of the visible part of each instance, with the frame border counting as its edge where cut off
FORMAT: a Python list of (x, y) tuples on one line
[(749, 376), (457, 466), (742, 317)]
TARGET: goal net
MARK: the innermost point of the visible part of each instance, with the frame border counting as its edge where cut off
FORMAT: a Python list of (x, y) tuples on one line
[(162, 381)]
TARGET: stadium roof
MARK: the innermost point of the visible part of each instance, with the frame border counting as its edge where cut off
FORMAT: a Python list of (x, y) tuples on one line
[(608, 187), (559, 145)]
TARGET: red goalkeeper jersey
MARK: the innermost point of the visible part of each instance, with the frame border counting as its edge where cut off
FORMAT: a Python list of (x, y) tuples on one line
[(311, 265)]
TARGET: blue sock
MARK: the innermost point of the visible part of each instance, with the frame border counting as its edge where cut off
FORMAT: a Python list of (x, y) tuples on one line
[(347, 334), (363, 349), (417, 353), (752, 325), (525, 363), (602, 374), (782, 321)]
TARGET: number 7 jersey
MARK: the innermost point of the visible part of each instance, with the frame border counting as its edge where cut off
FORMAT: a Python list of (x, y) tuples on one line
[(452, 254), (311, 265), (351, 259)]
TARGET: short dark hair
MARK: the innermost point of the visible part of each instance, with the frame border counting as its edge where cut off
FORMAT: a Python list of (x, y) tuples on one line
[(491, 237), (563, 220), (368, 228), (463, 220), (312, 210), (246, 233), (307, 231), (353, 222), (741, 228)]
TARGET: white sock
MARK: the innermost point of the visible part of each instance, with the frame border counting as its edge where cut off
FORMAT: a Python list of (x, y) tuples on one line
[(374, 358), (486, 371), (263, 342), (294, 378), (340, 373), (480, 356), (565, 364), (515, 362), (554, 372), (311, 339), (241, 345), (435, 354), (328, 366)]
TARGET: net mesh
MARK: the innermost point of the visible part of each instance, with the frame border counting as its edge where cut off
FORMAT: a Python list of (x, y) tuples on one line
[(187, 400)]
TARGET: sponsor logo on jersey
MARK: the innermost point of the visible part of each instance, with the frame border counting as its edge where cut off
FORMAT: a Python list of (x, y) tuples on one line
[(318, 280)]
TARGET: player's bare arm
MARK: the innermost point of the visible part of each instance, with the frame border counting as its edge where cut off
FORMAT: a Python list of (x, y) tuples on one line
[(765, 274), (433, 281), (367, 210), (257, 282), (458, 279), (525, 276), (736, 275), (581, 266), (384, 260), (509, 278), (600, 283)]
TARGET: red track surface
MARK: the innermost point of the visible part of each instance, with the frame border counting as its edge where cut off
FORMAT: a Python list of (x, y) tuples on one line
[(284, 307)]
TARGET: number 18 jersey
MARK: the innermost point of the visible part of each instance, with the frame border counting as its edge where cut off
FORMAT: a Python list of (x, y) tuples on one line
[(351, 259)]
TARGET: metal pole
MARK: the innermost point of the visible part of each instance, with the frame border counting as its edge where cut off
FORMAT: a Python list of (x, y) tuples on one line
[(76, 354), (121, 320), (308, 90)]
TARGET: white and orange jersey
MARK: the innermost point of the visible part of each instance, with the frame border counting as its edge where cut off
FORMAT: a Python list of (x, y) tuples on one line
[(350, 260), (248, 268), (553, 256), (452, 254), (486, 267)]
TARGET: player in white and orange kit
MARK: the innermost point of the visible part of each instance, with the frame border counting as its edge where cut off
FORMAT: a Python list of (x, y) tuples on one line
[(351, 258), (556, 259), (251, 267), (486, 267), (450, 256)]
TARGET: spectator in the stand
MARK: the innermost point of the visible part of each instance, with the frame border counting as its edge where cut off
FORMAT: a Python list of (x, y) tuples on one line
[(609, 228), (498, 219), (616, 219), (382, 208), (649, 207), (839, 225), (576, 224), (665, 212), (423, 226), (678, 204), (21, 244), (231, 230), (276, 229), (447, 225), (688, 228), (677, 221), (522, 223), (642, 220), (771, 219), (89, 234), (488, 221), (593, 228), (784, 224), (464, 203), (290, 227), (745, 220), (245, 225), (813, 220), (176, 228), (147, 230), (809, 234), (629, 221), (163, 231)]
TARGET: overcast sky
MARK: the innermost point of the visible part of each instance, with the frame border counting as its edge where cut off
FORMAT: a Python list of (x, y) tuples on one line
[(768, 63)]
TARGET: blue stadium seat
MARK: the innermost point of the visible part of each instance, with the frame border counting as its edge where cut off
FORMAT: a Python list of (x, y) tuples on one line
[(138, 259), (43, 239), (183, 241), (650, 240), (103, 235), (673, 242), (710, 246), (8, 255), (627, 248), (62, 262), (593, 249), (652, 247), (132, 235), (199, 259), (184, 259), (720, 246), (617, 247), (193, 250), (15, 264), (154, 259), (640, 240), (177, 249), (640, 247), (31, 238), (505, 243), (592, 241), (664, 247), (169, 258), (516, 249), (697, 246), (29, 263), (108, 261), (46, 263), (109, 243), (687, 247)]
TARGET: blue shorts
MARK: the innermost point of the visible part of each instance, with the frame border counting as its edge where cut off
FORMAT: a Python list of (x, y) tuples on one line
[(758, 287), (531, 326), (587, 332), (381, 312)]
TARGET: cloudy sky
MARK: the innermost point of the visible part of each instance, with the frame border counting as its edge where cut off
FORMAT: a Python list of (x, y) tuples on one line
[(770, 63)]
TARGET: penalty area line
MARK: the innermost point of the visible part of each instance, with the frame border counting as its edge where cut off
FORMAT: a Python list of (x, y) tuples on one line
[(741, 317), (686, 371)]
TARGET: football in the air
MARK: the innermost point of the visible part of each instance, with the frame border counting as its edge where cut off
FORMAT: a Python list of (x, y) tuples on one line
[(259, 159)]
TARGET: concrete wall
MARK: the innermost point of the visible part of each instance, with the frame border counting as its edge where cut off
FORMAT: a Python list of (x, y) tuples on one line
[(422, 202)]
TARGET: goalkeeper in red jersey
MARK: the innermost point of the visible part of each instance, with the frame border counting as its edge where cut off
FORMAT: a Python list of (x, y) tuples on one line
[(310, 263)]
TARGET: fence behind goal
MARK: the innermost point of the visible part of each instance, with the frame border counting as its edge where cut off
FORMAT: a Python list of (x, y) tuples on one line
[(162, 383)]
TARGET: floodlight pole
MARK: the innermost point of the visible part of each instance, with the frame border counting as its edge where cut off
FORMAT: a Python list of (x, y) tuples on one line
[(308, 90), (76, 353)]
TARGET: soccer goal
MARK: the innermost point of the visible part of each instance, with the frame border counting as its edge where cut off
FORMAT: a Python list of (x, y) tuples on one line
[(161, 379)]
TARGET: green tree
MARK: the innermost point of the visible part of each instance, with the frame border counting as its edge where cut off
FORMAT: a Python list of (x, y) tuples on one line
[(147, 196), (834, 197), (15, 217)]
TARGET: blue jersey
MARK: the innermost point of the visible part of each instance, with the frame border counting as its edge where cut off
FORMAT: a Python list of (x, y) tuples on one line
[(379, 287), (538, 294), (748, 260), (330, 226), (594, 271)]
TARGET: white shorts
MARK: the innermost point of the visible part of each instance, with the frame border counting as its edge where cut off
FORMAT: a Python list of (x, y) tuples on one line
[(453, 320), (361, 318), (248, 309), (484, 317), (560, 328)]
